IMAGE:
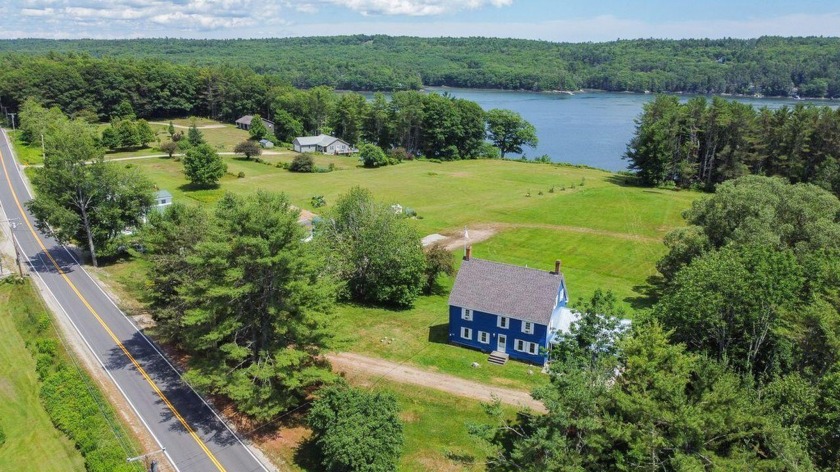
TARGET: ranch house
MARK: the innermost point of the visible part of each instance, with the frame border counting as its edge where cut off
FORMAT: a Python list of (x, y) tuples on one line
[(508, 310), (245, 123), (322, 143)]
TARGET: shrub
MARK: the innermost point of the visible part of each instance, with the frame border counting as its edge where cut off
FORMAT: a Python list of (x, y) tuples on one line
[(317, 201), (372, 155), (2, 436), (400, 154), (240, 175), (302, 163)]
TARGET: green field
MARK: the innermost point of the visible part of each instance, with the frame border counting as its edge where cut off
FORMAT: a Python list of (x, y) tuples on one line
[(32, 443), (607, 233)]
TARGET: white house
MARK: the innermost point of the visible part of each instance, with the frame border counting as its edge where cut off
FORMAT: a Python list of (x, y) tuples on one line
[(162, 200), (322, 143)]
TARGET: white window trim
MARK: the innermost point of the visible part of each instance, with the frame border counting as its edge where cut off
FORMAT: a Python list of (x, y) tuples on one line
[(466, 314), (528, 327), (533, 349), (485, 335), (466, 333), (499, 322), (519, 345)]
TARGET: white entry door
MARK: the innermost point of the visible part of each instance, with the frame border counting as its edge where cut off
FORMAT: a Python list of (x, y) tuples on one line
[(501, 343)]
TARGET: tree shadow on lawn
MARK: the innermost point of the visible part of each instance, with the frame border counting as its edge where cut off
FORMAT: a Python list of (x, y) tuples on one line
[(190, 187), (649, 293), (624, 180), (307, 456)]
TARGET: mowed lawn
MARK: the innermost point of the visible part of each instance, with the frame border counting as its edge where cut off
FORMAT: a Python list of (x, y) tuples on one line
[(32, 443), (608, 235)]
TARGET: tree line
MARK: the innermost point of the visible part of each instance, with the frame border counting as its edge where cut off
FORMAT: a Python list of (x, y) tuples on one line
[(703, 143), (765, 65), (736, 366), (122, 90)]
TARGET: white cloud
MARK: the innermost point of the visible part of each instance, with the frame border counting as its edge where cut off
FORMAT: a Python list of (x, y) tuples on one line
[(416, 7), (134, 17), (601, 28)]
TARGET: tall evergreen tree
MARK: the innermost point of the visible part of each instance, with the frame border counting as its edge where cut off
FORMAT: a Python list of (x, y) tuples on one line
[(252, 306)]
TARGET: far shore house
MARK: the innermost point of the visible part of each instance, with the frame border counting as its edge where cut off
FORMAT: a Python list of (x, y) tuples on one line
[(508, 310), (322, 143), (245, 123)]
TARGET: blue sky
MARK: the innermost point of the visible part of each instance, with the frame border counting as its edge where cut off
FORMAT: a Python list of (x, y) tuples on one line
[(554, 20)]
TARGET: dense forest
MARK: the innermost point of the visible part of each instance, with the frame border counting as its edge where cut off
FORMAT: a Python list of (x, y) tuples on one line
[(767, 65), (703, 143), (436, 126)]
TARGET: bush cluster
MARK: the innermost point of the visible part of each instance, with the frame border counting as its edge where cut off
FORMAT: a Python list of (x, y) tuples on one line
[(73, 407)]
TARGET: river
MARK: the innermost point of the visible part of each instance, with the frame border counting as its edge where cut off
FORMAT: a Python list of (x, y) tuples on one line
[(590, 128)]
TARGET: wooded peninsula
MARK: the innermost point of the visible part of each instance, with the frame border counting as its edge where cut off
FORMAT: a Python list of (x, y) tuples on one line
[(770, 66)]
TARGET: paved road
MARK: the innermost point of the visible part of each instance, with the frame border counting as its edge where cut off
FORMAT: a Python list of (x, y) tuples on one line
[(195, 438)]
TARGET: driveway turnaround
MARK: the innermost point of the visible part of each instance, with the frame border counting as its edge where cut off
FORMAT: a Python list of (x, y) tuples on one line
[(194, 436)]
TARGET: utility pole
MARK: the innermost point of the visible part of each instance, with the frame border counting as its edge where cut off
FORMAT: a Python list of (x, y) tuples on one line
[(13, 224), (150, 465), (13, 120)]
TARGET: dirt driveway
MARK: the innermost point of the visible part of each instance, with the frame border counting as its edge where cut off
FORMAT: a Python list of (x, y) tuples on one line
[(352, 363)]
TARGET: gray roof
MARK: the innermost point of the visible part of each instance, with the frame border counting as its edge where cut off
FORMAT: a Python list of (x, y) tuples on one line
[(162, 194), (506, 290), (246, 120), (323, 140)]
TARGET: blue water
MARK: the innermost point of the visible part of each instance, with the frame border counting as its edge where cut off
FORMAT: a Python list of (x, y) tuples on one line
[(591, 128)]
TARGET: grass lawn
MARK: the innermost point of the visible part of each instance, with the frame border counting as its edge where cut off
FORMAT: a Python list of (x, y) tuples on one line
[(32, 443), (434, 426), (223, 139), (607, 234), (27, 155)]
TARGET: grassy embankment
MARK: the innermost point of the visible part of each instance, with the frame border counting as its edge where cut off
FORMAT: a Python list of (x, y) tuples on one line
[(41, 387)]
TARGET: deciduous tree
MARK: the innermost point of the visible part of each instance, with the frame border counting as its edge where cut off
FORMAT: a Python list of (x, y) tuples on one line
[(82, 198), (374, 251), (509, 131), (203, 166), (249, 148), (356, 430)]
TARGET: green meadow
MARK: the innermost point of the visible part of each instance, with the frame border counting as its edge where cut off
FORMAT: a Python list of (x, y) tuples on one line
[(607, 233)]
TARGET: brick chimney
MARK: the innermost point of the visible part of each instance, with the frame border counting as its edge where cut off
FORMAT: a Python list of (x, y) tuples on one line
[(467, 253), (557, 266)]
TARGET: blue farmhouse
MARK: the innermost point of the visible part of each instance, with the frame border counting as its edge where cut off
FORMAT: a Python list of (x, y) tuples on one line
[(508, 310)]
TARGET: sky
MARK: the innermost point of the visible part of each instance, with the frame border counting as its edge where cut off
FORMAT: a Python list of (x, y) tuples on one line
[(552, 20)]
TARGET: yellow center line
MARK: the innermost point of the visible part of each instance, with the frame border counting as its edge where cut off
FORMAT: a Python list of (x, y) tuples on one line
[(105, 326)]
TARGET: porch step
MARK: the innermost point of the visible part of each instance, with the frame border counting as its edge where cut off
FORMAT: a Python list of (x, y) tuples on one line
[(497, 357)]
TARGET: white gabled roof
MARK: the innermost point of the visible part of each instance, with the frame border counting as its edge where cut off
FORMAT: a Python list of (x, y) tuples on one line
[(322, 140)]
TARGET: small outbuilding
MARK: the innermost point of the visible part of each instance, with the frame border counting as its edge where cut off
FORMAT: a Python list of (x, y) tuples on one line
[(266, 144), (245, 123), (162, 200), (322, 143)]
